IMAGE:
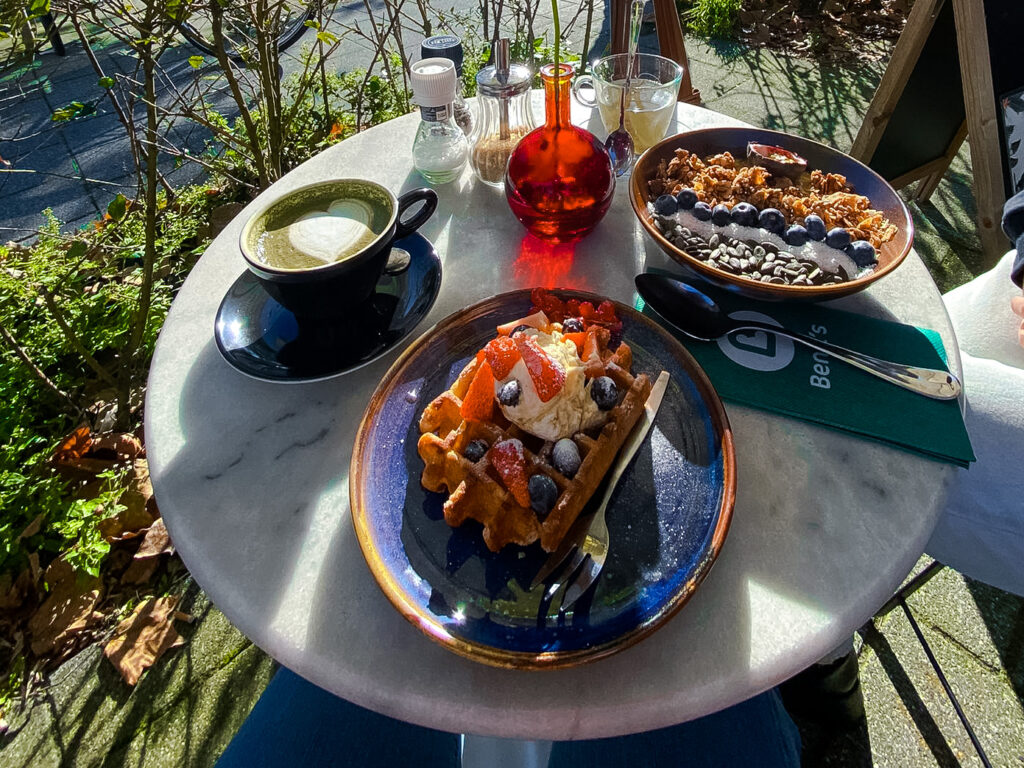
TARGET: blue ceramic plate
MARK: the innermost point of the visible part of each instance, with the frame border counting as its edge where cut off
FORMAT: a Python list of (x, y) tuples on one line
[(262, 339), (668, 518)]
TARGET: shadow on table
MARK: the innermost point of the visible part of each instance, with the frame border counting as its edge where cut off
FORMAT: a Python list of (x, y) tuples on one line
[(267, 525)]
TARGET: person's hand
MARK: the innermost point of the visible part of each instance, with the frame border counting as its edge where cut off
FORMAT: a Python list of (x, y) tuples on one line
[(1017, 305)]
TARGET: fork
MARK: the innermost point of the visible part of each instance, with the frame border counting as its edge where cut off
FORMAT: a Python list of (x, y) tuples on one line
[(590, 552)]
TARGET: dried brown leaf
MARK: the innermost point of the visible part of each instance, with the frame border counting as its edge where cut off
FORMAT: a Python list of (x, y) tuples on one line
[(143, 638), (32, 528), (125, 446), (140, 571), (137, 515), (156, 542), (75, 445), (17, 592), (67, 610)]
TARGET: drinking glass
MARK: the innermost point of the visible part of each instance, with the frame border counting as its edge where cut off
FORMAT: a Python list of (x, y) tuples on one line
[(650, 101)]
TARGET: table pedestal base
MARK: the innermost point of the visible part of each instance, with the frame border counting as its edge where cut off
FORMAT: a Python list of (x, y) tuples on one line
[(488, 752)]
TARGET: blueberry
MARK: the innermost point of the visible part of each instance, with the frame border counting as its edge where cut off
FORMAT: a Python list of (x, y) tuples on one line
[(796, 236), (475, 450), (518, 328), (566, 457), (837, 238), (815, 227), (744, 214), (509, 393), (686, 198), (702, 211), (666, 205), (720, 215), (862, 253), (543, 493), (604, 392), (572, 325), (772, 220)]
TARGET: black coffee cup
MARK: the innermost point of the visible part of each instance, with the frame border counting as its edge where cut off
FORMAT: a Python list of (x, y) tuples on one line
[(319, 250)]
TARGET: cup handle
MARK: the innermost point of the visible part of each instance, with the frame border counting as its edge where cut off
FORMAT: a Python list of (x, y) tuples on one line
[(584, 81), (429, 199)]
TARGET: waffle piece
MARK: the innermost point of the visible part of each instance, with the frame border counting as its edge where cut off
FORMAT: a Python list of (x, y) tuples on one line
[(476, 490)]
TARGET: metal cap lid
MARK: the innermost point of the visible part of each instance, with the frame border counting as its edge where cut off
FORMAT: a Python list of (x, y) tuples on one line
[(489, 83), (445, 47), (433, 82)]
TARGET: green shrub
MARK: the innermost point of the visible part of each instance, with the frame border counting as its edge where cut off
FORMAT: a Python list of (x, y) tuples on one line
[(712, 18), (315, 113), (94, 277)]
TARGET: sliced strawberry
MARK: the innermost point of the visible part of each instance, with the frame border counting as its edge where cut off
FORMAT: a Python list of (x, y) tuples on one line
[(548, 375), (540, 297), (550, 304), (572, 308), (501, 353), (478, 404), (509, 459), (606, 313), (578, 339), (587, 311)]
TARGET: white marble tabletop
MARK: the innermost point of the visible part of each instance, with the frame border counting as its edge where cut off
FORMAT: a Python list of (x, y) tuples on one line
[(252, 480)]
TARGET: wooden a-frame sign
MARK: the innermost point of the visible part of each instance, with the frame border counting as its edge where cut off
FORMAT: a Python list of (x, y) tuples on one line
[(926, 105)]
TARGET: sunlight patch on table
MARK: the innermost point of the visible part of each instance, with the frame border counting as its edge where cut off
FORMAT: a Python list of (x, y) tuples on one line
[(328, 521), (770, 615)]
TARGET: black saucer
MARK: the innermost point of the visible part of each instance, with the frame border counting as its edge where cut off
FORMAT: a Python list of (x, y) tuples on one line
[(262, 339)]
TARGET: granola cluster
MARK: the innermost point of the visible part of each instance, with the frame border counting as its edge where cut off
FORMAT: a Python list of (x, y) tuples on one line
[(720, 179)]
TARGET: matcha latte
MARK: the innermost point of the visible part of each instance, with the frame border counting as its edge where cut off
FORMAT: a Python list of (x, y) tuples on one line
[(319, 250), (307, 231)]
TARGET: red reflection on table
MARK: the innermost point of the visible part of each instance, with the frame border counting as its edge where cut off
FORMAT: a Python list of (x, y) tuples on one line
[(546, 264)]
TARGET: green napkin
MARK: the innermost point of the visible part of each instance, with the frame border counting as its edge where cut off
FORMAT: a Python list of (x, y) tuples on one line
[(773, 373)]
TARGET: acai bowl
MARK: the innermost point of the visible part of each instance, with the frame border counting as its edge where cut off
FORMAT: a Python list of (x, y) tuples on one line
[(723, 203)]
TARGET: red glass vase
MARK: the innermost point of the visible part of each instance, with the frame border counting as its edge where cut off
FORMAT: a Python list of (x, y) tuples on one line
[(560, 181)]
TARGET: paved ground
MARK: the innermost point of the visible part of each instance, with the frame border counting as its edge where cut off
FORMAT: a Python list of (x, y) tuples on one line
[(187, 708)]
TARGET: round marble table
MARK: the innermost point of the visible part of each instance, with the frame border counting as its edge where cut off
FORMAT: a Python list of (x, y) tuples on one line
[(252, 480)]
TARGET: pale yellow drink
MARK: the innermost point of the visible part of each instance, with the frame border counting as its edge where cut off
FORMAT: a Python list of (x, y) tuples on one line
[(649, 110)]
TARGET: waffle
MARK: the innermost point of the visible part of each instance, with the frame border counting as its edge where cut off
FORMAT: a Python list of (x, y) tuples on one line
[(476, 490)]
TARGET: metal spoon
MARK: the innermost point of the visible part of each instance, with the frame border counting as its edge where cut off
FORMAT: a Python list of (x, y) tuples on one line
[(619, 143), (697, 315)]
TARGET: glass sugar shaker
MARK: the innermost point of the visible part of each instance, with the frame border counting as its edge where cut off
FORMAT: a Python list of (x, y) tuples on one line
[(504, 114), (440, 149), (450, 47)]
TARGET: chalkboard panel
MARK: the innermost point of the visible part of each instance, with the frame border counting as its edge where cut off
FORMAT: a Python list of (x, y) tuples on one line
[(1004, 20), (931, 110)]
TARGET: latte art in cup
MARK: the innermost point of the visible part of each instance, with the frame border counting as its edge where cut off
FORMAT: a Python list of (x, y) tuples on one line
[(319, 237)]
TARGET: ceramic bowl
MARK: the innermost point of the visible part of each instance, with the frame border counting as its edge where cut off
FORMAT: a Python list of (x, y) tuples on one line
[(331, 289), (863, 180)]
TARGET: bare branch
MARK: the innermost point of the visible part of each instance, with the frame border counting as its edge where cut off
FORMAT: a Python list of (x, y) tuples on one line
[(36, 371), (72, 337)]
